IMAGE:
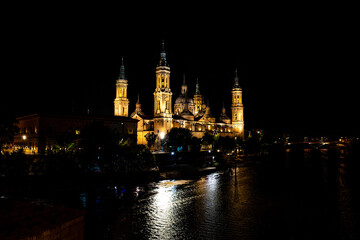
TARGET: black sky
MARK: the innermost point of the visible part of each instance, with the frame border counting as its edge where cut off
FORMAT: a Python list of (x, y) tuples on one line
[(296, 67)]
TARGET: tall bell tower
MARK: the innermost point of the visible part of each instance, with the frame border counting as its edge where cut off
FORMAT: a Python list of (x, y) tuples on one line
[(198, 99), (162, 97), (237, 108), (121, 102)]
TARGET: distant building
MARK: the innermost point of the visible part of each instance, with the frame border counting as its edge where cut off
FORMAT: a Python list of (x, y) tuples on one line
[(39, 132), (189, 112)]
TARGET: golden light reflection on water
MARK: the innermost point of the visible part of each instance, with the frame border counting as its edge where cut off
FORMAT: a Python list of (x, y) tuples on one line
[(162, 199), (189, 209), (164, 207)]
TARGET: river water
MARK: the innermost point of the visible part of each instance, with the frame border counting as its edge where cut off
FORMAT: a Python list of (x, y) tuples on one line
[(305, 196), (295, 194)]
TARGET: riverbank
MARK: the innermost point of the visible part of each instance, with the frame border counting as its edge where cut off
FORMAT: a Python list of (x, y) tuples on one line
[(292, 192)]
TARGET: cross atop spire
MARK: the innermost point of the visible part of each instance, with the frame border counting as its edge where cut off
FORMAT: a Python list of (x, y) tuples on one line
[(184, 87), (236, 80), (163, 61), (122, 69), (138, 100), (197, 87)]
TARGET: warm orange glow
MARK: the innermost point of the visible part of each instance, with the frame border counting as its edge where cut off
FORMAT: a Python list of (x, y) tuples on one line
[(162, 135)]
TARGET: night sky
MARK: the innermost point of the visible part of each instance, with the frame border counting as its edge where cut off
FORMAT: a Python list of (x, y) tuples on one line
[(297, 69)]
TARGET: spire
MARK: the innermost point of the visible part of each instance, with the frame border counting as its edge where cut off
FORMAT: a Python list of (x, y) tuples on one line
[(236, 80), (223, 109), (186, 106), (207, 110), (122, 69), (186, 112), (163, 61), (223, 117), (138, 100), (138, 107), (197, 90), (184, 87)]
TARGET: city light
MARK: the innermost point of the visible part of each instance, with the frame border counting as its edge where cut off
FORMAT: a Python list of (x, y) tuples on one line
[(24, 137), (162, 135)]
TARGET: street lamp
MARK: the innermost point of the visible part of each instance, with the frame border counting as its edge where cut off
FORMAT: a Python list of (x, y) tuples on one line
[(24, 137), (162, 136)]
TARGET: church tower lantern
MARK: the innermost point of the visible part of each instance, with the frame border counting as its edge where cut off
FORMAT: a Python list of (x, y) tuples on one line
[(198, 99), (121, 102), (237, 108), (162, 96)]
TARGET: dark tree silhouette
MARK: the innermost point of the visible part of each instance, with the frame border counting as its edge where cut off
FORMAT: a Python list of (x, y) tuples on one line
[(8, 129), (179, 137), (150, 138)]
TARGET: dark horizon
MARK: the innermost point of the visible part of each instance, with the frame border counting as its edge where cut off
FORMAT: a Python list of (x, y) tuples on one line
[(296, 75)]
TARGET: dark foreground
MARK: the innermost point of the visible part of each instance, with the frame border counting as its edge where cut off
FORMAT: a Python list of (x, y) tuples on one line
[(293, 194)]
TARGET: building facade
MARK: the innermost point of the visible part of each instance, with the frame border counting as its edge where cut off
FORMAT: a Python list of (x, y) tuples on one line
[(39, 132), (190, 112)]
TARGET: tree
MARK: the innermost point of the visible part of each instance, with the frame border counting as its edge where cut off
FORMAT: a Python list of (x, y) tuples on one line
[(7, 131), (207, 139), (252, 146), (99, 143), (151, 138), (65, 143), (179, 137), (225, 143), (195, 144)]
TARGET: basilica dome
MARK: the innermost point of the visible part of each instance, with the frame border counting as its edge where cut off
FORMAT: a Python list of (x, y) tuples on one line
[(181, 100)]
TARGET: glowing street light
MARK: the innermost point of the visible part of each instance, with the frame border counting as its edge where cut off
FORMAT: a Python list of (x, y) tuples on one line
[(162, 135), (24, 137)]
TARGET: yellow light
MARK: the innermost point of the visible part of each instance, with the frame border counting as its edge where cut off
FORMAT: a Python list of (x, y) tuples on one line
[(162, 135), (24, 137)]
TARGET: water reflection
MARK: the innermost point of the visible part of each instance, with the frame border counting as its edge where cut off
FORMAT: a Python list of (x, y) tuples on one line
[(159, 217), (305, 194), (83, 199), (207, 208)]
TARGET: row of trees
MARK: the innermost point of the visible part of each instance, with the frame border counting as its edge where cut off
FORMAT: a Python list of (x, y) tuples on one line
[(98, 149), (7, 131), (181, 138)]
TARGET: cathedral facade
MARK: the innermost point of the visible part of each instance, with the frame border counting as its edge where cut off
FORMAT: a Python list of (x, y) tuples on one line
[(189, 112)]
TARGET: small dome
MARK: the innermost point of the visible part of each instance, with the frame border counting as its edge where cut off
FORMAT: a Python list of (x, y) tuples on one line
[(181, 100)]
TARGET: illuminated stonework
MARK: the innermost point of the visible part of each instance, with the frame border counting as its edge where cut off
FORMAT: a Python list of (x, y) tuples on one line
[(237, 108), (121, 102), (199, 105), (162, 97), (189, 112)]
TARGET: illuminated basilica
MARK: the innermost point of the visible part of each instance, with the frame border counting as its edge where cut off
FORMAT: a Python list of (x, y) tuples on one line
[(187, 112)]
